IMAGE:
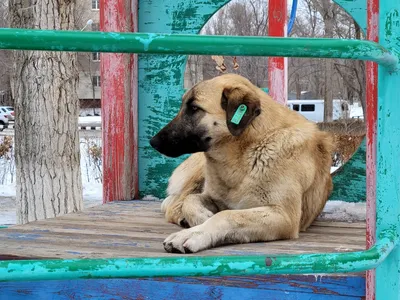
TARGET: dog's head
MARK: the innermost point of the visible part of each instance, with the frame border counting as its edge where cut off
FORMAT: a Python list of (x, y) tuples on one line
[(211, 112)]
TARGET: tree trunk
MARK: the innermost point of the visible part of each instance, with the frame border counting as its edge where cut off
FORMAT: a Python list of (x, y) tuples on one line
[(361, 75), (329, 24), (326, 9), (47, 107), (328, 93), (298, 86)]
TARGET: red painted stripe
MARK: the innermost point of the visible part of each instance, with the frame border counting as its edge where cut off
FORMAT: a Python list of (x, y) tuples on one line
[(372, 97), (134, 121), (119, 106), (277, 66)]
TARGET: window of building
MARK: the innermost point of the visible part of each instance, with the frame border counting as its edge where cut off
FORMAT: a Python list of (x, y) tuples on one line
[(96, 4), (308, 107), (96, 56), (96, 81)]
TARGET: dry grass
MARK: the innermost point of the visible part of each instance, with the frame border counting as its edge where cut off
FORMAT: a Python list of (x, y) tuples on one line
[(5, 146), (348, 136)]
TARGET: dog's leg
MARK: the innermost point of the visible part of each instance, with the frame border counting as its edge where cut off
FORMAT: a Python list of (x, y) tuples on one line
[(187, 179), (197, 209), (260, 224), (172, 209)]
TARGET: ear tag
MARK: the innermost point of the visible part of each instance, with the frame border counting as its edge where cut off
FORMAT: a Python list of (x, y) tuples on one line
[(240, 111)]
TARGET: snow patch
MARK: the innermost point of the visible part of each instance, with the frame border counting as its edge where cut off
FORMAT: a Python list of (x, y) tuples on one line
[(151, 198), (344, 211), (89, 120), (7, 190)]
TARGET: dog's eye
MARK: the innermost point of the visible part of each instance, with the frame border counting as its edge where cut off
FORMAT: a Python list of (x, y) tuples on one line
[(193, 107)]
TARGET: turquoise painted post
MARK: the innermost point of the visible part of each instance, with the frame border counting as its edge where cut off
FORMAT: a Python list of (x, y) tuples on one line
[(161, 86), (161, 82), (388, 152), (349, 181), (357, 9)]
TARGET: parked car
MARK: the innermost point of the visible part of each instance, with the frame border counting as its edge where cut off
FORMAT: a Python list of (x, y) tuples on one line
[(313, 110), (4, 119), (10, 111)]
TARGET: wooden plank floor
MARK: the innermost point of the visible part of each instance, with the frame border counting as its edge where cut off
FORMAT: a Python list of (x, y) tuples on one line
[(138, 228)]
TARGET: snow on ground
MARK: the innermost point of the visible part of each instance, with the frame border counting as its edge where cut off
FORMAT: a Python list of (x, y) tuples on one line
[(92, 196), (7, 190), (89, 120), (91, 181), (343, 211)]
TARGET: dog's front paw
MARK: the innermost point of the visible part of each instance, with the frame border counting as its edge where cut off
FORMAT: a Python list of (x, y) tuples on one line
[(188, 241)]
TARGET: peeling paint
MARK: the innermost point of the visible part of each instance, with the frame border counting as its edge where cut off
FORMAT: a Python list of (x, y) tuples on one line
[(353, 174), (147, 41), (387, 281), (200, 266), (161, 83)]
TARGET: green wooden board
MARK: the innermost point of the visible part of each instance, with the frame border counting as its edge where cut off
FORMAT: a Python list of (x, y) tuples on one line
[(349, 181), (161, 82), (161, 88)]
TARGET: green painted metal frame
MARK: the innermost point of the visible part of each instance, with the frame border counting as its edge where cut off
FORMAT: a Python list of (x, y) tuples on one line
[(151, 43), (47, 40), (200, 266)]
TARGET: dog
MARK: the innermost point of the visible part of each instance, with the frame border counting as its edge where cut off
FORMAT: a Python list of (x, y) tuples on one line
[(258, 171)]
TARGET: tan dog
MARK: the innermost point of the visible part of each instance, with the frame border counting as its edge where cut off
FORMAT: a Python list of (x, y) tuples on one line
[(264, 179)]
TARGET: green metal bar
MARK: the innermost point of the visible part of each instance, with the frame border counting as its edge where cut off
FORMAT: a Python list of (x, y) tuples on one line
[(50, 40), (47, 40), (200, 266)]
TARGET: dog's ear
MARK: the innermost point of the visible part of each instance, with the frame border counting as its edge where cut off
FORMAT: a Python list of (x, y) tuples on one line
[(241, 106)]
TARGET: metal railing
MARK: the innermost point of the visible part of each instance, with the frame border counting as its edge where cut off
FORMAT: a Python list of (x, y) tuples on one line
[(151, 43), (49, 40)]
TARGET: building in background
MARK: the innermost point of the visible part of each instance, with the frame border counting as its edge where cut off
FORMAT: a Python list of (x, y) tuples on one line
[(89, 91)]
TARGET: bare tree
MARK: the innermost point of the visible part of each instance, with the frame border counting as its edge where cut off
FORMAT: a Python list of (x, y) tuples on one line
[(353, 71), (238, 18), (5, 63), (46, 102), (322, 78), (327, 9)]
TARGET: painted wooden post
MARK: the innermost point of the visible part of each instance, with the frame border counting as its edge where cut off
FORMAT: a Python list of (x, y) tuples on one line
[(277, 66), (372, 99), (119, 105)]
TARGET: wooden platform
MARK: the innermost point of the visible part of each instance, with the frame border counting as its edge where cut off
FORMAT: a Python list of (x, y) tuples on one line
[(137, 229)]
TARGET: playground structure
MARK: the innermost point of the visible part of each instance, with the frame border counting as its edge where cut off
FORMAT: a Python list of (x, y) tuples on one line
[(158, 81)]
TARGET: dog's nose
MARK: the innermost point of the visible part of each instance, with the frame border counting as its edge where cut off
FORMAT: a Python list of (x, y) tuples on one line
[(155, 142)]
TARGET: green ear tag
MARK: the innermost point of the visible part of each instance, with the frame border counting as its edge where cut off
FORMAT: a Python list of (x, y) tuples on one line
[(237, 117)]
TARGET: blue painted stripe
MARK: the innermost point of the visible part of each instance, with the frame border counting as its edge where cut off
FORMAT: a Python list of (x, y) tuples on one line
[(266, 287)]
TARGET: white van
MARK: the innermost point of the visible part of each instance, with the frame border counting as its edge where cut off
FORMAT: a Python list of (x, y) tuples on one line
[(313, 110)]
